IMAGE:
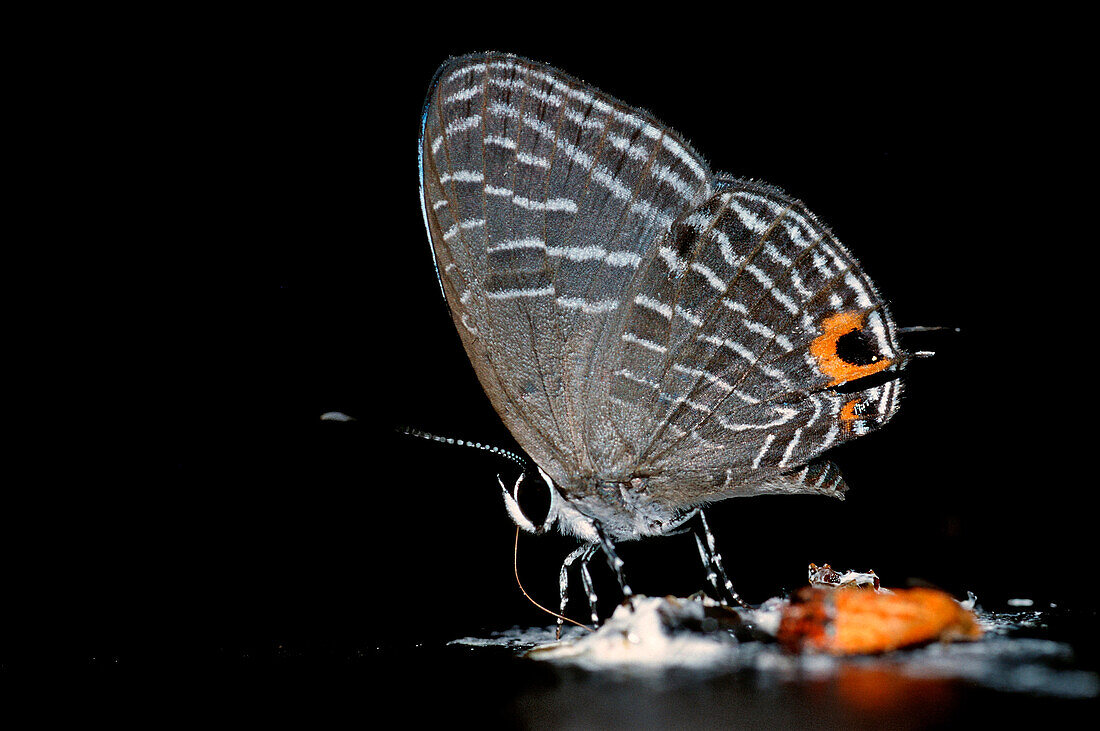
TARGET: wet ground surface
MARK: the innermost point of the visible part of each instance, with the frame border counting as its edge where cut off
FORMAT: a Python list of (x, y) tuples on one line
[(1030, 664), (1033, 664)]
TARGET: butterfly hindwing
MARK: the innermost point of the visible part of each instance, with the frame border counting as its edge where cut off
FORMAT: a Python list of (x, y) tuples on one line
[(735, 351)]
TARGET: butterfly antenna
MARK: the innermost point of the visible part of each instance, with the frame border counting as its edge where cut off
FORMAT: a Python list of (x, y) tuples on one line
[(520, 461), (336, 416)]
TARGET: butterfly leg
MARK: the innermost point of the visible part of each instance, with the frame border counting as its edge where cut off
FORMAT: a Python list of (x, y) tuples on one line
[(712, 562), (712, 577), (613, 560), (586, 580), (584, 553)]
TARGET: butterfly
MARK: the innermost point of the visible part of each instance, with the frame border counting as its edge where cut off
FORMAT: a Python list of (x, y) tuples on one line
[(657, 336)]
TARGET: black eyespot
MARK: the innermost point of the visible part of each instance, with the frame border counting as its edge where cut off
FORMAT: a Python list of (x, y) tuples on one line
[(684, 242), (856, 348)]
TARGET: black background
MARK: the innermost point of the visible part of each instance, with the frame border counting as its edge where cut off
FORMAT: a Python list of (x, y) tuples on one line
[(249, 253)]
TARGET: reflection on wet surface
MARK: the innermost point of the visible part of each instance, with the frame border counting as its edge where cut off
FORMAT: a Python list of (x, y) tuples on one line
[(1033, 663), (1029, 662)]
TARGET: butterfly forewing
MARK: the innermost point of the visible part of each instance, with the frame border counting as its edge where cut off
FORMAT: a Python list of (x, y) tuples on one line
[(542, 197)]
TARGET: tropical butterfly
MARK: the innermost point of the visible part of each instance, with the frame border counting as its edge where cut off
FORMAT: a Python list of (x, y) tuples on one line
[(655, 335)]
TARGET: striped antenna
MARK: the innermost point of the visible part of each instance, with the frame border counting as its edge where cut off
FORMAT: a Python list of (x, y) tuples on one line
[(465, 443)]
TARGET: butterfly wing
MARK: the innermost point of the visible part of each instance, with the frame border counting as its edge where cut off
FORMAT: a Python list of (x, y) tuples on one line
[(543, 197), (749, 350)]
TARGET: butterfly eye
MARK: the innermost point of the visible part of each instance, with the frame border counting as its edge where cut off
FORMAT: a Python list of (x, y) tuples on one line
[(534, 501), (533, 509)]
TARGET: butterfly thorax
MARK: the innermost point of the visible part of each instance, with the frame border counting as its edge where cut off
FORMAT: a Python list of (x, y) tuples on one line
[(625, 510)]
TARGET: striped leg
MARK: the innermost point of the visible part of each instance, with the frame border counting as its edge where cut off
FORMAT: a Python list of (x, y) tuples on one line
[(584, 553), (613, 559), (586, 581), (712, 562), (712, 577)]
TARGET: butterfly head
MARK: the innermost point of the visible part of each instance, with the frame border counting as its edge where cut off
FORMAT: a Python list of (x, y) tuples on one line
[(530, 523), (622, 509)]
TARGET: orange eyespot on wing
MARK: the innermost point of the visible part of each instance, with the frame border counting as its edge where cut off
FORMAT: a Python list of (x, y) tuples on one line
[(833, 364)]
